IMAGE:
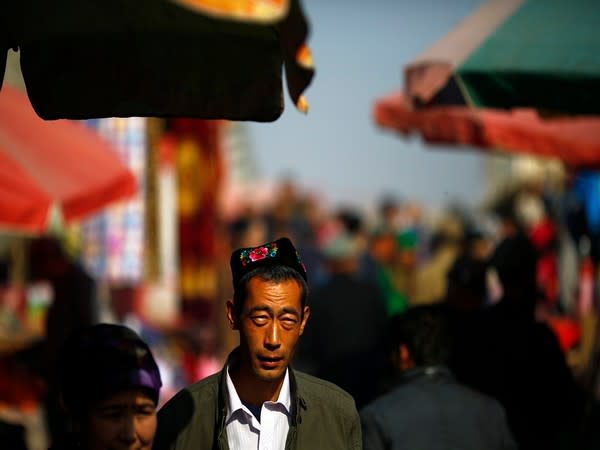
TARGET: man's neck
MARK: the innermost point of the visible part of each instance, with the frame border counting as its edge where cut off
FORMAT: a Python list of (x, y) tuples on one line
[(252, 390)]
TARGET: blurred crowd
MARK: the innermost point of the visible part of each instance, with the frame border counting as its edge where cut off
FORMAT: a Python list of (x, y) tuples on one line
[(516, 282)]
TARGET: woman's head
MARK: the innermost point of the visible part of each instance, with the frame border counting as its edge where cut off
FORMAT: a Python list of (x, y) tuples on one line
[(125, 420), (109, 384)]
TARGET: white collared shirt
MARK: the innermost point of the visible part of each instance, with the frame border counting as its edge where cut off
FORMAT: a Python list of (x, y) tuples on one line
[(245, 432)]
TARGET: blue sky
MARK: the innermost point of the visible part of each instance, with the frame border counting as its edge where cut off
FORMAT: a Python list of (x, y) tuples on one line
[(359, 48)]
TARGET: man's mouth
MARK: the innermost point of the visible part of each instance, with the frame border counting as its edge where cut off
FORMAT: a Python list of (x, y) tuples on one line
[(270, 362)]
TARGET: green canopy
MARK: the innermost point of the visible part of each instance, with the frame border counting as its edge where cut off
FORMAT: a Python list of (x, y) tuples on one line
[(545, 55)]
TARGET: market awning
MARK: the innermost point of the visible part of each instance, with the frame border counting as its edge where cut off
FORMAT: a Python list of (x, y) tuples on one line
[(514, 53), (575, 141), (118, 58), (59, 165)]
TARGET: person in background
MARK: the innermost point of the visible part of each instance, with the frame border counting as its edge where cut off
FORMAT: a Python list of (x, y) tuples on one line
[(109, 385), (73, 308), (430, 277), (257, 400), (343, 340), (390, 280), (428, 408), (465, 303), (520, 362)]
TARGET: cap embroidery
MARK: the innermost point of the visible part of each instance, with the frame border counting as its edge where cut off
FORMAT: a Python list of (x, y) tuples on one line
[(256, 254)]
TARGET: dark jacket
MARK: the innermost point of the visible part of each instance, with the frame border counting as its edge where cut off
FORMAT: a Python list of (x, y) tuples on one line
[(323, 416), (430, 410), (518, 361), (343, 340)]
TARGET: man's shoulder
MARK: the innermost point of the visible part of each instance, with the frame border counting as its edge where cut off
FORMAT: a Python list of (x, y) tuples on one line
[(482, 400), (414, 398), (416, 390), (316, 388), (211, 382)]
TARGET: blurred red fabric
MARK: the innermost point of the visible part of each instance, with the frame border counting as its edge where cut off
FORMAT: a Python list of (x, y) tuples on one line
[(572, 139), (46, 163)]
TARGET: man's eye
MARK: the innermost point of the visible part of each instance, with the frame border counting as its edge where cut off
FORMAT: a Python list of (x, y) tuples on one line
[(289, 320), (260, 319)]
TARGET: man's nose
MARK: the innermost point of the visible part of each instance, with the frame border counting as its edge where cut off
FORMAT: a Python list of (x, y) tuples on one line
[(272, 337)]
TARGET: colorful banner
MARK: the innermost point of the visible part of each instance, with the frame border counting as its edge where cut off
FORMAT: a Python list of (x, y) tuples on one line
[(112, 243), (198, 173)]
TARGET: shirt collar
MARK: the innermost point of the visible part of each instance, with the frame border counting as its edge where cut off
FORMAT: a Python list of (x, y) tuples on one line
[(234, 403)]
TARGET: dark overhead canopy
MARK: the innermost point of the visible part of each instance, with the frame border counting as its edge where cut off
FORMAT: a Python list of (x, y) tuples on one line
[(121, 58)]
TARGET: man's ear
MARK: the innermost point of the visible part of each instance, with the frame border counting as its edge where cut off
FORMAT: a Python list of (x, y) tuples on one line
[(231, 315), (305, 316)]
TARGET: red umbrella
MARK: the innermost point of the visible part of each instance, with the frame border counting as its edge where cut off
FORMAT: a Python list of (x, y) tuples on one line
[(45, 164), (573, 140)]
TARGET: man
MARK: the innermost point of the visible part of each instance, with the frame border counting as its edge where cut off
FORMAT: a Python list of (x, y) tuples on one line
[(257, 401), (343, 341), (428, 409)]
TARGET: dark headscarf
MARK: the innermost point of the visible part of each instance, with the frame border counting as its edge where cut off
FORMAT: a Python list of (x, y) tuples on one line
[(102, 360)]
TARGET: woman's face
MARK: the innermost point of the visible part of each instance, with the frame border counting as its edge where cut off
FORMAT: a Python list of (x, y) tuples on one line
[(124, 421)]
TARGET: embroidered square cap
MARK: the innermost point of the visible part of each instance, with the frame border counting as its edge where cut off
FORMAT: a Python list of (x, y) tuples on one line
[(280, 252)]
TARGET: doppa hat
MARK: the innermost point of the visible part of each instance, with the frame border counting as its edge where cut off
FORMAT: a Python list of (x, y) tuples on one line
[(279, 252)]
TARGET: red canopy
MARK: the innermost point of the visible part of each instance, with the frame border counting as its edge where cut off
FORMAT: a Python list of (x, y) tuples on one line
[(59, 163), (573, 140)]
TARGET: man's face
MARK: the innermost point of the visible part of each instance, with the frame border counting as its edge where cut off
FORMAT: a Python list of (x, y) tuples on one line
[(125, 421), (270, 323)]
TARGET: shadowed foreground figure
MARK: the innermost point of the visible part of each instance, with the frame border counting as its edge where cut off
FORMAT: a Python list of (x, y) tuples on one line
[(109, 384), (257, 401), (428, 408)]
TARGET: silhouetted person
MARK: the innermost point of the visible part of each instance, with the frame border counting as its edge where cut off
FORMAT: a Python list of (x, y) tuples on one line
[(519, 360), (73, 307), (344, 341), (428, 408), (466, 295)]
